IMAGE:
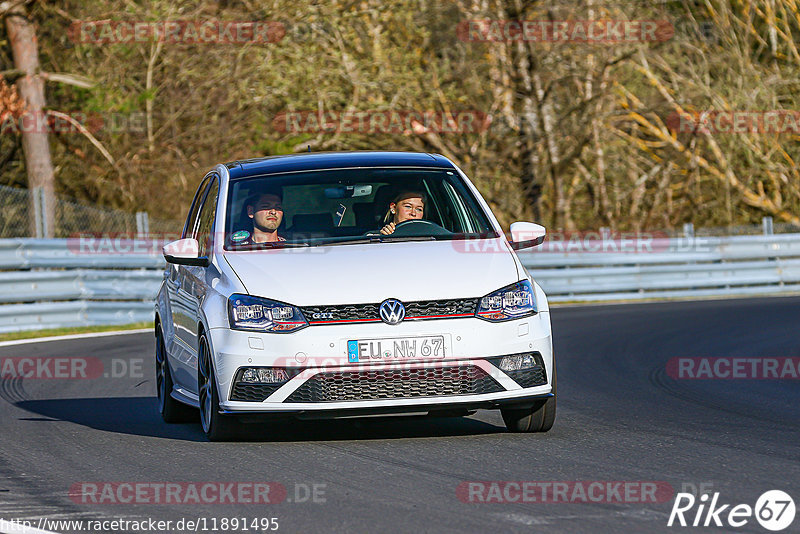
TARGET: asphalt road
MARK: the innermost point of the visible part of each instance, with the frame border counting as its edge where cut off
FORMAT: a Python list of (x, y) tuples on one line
[(621, 417)]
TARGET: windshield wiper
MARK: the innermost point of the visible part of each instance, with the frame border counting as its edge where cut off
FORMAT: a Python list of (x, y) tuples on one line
[(395, 238), (378, 238), (269, 245), (354, 240), (283, 244)]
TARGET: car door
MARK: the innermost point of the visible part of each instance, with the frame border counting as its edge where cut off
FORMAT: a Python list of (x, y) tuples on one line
[(177, 345), (193, 287)]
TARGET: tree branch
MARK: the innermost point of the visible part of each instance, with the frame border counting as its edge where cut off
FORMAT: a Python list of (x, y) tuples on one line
[(106, 154), (69, 79)]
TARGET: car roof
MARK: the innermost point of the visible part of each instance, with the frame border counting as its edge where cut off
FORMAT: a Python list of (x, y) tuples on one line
[(309, 161)]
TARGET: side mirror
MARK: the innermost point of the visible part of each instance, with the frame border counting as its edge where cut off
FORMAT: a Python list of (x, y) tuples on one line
[(526, 235), (184, 252)]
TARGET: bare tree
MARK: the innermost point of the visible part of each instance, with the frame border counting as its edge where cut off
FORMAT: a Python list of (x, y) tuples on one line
[(35, 143)]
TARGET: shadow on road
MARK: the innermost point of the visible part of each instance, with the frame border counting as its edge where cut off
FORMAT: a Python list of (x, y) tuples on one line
[(125, 415), (139, 416)]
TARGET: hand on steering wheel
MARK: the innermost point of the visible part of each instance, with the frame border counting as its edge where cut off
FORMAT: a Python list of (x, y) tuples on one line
[(409, 222), (418, 227), (391, 227)]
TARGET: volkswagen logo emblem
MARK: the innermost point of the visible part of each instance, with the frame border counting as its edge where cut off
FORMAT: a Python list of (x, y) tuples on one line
[(392, 311)]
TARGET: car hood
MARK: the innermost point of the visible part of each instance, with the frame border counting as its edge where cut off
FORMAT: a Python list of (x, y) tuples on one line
[(356, 274)]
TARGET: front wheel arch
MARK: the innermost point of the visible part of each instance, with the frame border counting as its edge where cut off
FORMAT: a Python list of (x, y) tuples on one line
[(216, 426), (171, 410)]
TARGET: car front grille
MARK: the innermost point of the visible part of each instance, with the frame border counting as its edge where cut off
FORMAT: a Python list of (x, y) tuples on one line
[(433, 308), (340, 313), (395, 384), (423, 309)]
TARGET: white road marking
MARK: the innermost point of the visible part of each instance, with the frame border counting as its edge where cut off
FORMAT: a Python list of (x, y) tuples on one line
[(16, 528), (73, 336), (645, 514), (524, 519)]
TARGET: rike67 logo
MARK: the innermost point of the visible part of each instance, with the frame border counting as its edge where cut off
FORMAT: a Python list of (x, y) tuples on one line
[(774, 510)]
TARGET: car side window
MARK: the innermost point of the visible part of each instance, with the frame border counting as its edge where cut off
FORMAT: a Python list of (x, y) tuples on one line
[(205, 221), (460, 211), (191, 220)]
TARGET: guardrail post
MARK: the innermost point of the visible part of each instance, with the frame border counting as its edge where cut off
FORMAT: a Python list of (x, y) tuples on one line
[(142, 223), (766, 224), (688, 230), (46, 232), (39, 213)]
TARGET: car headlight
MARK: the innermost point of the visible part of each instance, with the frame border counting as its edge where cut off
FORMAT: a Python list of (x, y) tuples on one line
[(264, 315), (511, 302)]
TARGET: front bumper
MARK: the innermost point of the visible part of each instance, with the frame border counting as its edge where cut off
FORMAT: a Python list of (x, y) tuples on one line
[(452, 406), (319, 350)]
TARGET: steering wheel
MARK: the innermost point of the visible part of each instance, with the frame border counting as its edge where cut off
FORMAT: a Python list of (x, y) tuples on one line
[(418, 227)]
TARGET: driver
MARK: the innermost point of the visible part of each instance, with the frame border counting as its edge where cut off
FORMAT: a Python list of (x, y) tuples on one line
[(406, 206), (266, 211)]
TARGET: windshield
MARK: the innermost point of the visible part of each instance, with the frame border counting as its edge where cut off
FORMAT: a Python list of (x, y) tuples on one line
[(351, 206)]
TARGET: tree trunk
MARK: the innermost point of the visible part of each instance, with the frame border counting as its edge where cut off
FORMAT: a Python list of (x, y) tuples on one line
[(39, 166)]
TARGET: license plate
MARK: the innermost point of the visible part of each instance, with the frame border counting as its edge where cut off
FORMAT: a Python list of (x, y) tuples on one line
[(396, 349)]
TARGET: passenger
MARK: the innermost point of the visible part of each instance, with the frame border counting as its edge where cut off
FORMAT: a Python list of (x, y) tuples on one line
[(406, 206), (266, 211)]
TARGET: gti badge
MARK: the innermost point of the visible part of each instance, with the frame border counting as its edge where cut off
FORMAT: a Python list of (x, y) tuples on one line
[(392, 311)]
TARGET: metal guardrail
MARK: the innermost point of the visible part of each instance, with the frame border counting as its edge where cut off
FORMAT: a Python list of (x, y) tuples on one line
[(54, 283), (666, 268), (24, 253), (51, 283), (42, 315), (78, 284)]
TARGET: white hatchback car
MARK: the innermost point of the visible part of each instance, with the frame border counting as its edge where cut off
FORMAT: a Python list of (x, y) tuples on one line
[(328, 285)]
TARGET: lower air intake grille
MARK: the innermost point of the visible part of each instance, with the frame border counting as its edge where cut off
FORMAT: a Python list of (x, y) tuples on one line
[(253, 392), (528, 378), (395, 384)]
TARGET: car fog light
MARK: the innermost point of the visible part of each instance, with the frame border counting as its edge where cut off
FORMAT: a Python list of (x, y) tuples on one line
[(517, 362), (253, 375)]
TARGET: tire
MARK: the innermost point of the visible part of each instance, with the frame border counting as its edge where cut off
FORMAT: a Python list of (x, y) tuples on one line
[(539, 418), (216, 427), (171, 410)]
